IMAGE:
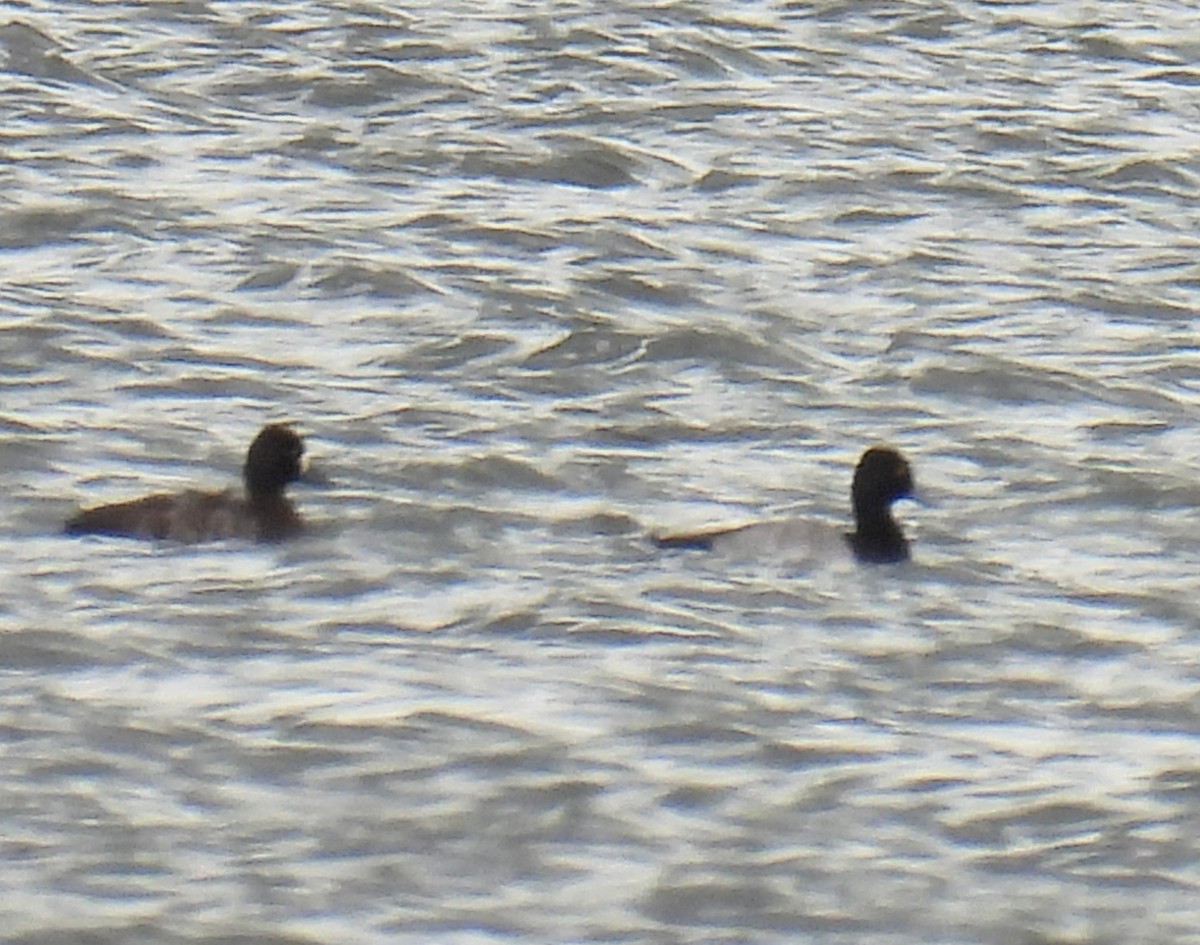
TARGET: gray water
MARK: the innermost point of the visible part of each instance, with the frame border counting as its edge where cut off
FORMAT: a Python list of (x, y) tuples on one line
[(537, 282)]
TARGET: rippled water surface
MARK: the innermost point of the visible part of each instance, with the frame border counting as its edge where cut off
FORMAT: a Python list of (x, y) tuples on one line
[(540, 281)]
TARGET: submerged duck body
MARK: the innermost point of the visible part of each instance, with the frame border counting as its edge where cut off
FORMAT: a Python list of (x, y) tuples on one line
[(262, 513), (881, 477)]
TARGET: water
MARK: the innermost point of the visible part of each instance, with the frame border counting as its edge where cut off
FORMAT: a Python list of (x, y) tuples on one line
[(536, 283)]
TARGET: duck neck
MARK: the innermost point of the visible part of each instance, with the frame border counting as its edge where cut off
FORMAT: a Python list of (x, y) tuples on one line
[(872, 519), (877, 537), (260, 496), (273, 513)]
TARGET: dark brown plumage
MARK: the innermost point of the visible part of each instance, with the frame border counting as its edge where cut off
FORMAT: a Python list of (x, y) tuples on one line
[(263, 513), (881, 477)]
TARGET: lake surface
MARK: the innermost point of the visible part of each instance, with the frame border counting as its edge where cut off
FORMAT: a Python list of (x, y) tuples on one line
[(538, 282)]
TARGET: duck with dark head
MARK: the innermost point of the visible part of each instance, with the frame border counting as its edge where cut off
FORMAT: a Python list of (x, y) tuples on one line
[(262, 513), (881, 477)]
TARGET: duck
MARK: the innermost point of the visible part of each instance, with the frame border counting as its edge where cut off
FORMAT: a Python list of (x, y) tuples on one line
[(263, 513), (881, 477)]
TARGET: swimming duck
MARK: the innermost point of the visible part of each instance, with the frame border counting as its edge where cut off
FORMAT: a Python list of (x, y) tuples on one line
[(263, 513), (881, 477)]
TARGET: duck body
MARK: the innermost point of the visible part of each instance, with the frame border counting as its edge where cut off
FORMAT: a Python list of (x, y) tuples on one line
[(262, 513)]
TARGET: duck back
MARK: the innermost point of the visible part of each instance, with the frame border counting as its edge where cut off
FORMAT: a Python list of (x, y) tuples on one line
[(190, 517)]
